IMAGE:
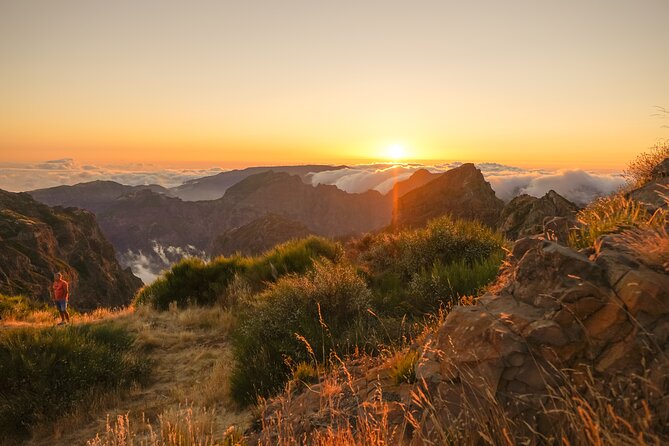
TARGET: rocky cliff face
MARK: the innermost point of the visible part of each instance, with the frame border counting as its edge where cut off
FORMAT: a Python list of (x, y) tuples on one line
[(461, 192), (36, 241), (258, 236), (526, 215)]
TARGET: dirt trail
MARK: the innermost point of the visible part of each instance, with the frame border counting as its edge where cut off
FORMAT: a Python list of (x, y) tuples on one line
[(190, 359)]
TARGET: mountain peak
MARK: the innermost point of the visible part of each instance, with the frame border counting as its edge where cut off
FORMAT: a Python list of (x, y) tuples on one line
[(461, 192)]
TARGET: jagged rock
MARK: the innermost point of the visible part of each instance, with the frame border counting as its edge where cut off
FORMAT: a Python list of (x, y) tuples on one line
[(526, 215), (36, 241), (461, 192)]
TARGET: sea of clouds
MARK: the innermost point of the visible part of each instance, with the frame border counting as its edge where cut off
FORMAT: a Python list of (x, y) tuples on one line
[(20, 177)]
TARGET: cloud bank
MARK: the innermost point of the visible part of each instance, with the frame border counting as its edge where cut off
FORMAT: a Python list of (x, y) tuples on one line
[(20, 177)]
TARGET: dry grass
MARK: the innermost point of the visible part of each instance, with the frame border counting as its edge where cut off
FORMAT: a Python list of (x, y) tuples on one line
[(187, 397), (638, 172), (588, 413)]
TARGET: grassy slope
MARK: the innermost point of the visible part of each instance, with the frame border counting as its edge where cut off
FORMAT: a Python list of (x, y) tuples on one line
[(190, 357)]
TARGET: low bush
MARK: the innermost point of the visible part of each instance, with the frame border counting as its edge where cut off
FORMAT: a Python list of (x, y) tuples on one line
[(299, 319), (415, 271), (195, 281), (46, 373)]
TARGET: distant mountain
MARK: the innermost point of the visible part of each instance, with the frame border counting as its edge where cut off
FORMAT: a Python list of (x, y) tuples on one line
[(94, 196), (37, 241), (214, 187), (461, 192), (324, 209), (419, 178), (152, 230), (258, 236), (525, 215)]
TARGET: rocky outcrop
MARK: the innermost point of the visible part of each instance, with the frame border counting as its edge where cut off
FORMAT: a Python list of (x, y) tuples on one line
[(560, 317), (258, 236), (461, 192), (652, 195), (37, 241), (526, 215)]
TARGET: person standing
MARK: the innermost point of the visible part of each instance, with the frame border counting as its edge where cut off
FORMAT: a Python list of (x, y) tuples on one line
[(61, 294)]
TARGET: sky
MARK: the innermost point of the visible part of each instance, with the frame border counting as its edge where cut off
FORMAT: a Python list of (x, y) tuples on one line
[(220, 84)]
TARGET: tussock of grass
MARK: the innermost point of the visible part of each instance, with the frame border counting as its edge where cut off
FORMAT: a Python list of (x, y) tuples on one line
[(48, 372), (612, 215), (305, 373), (638, 172), (194, 281), (403, 367)]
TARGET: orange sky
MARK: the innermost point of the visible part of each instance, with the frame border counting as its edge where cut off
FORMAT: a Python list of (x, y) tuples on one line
[(533, 84)]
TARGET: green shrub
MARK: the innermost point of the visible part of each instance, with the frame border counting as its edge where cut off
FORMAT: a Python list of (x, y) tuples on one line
[(611, 215), (445, 284), (416, 271), (45, 373), (298, 319), (195, 281)]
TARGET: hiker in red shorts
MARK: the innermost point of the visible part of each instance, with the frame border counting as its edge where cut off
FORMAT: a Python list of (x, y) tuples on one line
[(61, 294)]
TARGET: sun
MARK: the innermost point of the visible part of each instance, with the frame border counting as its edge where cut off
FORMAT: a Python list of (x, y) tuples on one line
[(396, 152)]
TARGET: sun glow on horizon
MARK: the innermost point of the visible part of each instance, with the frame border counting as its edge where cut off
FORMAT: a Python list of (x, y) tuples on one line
[(396, 152)]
